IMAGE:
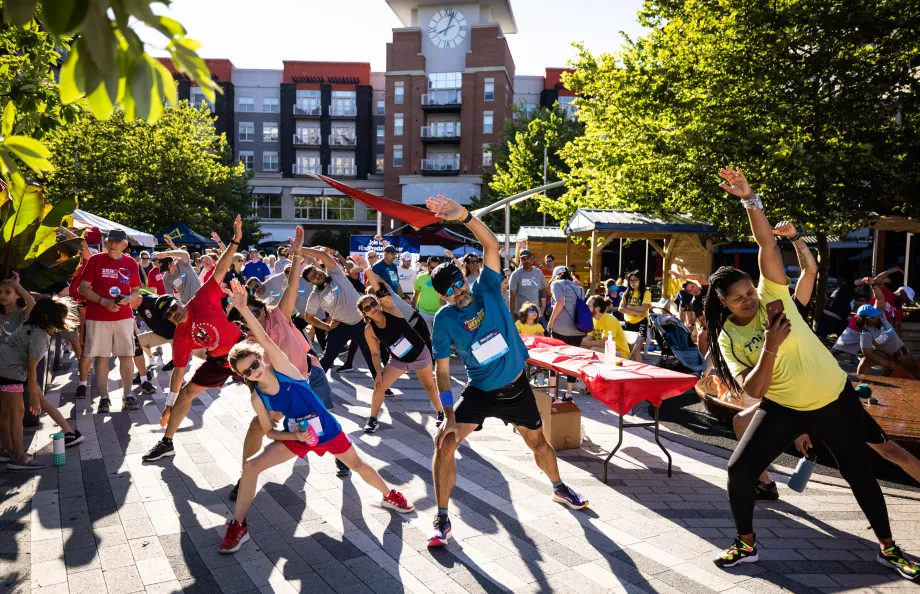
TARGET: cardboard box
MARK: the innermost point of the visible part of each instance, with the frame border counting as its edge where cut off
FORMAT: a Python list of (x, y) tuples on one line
[(561, 422)]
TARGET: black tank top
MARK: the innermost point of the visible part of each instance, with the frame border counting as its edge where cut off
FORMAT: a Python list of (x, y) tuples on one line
[(400, 338)]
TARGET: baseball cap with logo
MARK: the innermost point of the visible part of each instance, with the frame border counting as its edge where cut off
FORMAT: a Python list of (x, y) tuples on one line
[(525, 252)]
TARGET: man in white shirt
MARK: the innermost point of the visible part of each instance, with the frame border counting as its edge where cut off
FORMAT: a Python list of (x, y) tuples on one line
[(407, 275)]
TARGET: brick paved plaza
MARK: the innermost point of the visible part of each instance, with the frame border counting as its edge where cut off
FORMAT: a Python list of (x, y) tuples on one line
[(105, 522)]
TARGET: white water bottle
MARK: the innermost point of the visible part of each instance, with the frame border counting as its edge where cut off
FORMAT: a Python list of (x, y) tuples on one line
[(610, 351), (60, 458)]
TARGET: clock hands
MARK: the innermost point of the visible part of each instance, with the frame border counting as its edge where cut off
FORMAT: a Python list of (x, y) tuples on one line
[(450, 23)]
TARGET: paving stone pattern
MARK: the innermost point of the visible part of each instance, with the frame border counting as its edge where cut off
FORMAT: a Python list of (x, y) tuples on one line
[(106, 522)]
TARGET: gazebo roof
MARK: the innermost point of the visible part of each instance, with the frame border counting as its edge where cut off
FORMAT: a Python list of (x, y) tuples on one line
[(586, 220)]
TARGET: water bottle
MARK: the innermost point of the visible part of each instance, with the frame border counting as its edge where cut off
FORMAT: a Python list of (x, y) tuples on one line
[(802, 473), (312, 438), (60, 458), (610, 351)]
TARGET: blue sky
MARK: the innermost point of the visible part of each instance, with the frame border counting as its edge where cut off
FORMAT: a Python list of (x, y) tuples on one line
[(262, 33)]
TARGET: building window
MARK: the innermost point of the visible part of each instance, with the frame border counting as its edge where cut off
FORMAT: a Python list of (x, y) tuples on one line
[(196, 96), (397, 156), (567, 106), (371, 214), (343, 103), (307, 163), (308, 207), (487, 155), (270, 105), (379, 168), (247, 131), (270, 161), (339, 208), (398, 124), (342, 165), (381, 133), (269, 131), (489, 90), (246, 104), (381, 106), (399, 93), (487, 119), (308, 103), (445, 80), (267, 207), (247, 158), (319, 208)]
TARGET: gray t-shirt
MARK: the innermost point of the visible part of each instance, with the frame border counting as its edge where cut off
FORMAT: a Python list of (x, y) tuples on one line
[(273, 288), (10, 322), (881, 337), (28, 342), (185, 281), (280, 264), (565, 322), (337, 298), (303, 293), (527, 286)]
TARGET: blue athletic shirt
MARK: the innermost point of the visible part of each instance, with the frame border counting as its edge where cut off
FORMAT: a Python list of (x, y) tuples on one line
[(483, 334), (297, 401), (388, 273)]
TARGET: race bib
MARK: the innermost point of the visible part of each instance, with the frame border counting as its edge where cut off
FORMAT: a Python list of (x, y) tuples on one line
[(177, 283), (312, 419), (401, 347), (490, 347)]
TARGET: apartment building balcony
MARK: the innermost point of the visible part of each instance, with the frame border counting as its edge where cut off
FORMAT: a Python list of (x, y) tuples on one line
[(343, 110), (307, 140), (441, 165), (343, 140), (306, 168), (334, 170), (441, 133), (446, 100), (308, 110)]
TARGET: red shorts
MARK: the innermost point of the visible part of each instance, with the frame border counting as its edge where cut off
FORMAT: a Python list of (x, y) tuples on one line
[(213, 373), (335, 446)]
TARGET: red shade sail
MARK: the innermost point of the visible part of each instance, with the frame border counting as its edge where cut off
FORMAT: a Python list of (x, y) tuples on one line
[(415, 216)]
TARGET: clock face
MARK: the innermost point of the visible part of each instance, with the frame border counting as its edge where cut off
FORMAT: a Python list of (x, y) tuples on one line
[(447, 28)]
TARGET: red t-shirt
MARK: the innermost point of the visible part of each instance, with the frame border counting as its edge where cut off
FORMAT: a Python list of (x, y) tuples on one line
[(206, 327), (893, 313), (155, 280), (110, 278)]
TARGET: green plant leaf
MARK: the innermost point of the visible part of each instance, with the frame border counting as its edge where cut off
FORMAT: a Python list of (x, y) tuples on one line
[(142, 89), (99, 37), (54, 266), (19, 12), (64, 16), (9, 114), (46, 235), (169, 27), (71, 89), (32, 152), (22, 223)]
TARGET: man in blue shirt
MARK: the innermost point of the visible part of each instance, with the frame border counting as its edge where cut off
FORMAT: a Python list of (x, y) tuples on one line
[(478, 325), (387, 271), (256, 268)]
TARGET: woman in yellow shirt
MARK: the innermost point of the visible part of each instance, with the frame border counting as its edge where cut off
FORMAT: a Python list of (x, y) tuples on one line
[(634, 306), (779, 360), (605, 323)]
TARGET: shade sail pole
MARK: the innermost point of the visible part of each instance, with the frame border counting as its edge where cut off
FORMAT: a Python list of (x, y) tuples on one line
[(512, 199)]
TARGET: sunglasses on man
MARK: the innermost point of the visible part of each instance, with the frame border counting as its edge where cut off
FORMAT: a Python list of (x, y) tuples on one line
[(454, 287)]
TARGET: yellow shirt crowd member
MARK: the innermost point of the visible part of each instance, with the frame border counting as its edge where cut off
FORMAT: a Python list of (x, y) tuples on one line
[(634, 301), (526, 329), (805, 375), (607, 323)]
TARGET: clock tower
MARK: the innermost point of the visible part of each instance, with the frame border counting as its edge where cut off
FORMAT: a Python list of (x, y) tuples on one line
[(449, 87)]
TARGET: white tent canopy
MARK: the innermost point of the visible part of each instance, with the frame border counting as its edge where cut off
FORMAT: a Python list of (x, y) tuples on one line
[(135, 237)]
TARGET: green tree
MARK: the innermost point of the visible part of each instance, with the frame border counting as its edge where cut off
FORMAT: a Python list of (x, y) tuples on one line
[(149, 175), (518, 162), (815, 99)]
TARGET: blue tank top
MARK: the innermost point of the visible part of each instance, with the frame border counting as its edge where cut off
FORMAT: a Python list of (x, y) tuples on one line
[(297, 402)]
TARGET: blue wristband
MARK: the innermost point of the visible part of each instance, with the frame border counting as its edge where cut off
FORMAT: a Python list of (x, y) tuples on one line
[(447, 398)]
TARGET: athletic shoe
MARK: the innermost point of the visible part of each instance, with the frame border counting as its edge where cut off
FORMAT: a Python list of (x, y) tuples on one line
[(894, 558), (441, 532), (236, 535), (147, 387), (766, 492), (371, 425), (343, 369), (566, 398), (440, 419), (161, 449), (389, 393), (570, 498), (104, 405), (343, 470), (235, 491), (397, 502), (27, 462), (73, 438), (137, 378), (168, 367), (130, 403), (81, 392), (5, 455), (739, 552)]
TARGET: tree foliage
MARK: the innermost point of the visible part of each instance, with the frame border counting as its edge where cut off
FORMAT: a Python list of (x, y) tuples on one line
[(150, 175)]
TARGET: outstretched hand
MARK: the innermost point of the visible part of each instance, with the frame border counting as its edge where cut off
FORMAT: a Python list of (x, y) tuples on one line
[(735, 183), (444, 208), (237, 295), (215, 237), (785, 229), (238, 228), (297, 241)]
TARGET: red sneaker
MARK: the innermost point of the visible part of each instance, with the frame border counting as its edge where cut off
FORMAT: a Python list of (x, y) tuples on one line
[(396, 501), (236, 535)]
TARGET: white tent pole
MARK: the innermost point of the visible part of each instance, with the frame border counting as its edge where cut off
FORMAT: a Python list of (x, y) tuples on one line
[(907, 261), (526, 194), (507, 235)]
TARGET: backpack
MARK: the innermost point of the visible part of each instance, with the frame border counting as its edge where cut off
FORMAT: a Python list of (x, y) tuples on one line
[(584, 321)]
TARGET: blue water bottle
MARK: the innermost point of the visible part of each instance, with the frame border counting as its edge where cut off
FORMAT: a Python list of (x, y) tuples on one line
[(802, 473)]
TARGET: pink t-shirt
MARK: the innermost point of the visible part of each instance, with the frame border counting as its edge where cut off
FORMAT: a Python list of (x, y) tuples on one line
[(289, 339)]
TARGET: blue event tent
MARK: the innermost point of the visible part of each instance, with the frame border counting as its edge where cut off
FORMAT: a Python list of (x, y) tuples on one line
[(182, 235)]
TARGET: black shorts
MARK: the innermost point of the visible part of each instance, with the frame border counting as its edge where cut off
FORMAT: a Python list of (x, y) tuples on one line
[(213, 373), (641, 327), (514, 403)]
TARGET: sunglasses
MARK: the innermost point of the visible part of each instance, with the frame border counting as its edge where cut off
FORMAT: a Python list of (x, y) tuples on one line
[(454, 287), (255, 365), (370, 307), (532, 310), (145, 257)]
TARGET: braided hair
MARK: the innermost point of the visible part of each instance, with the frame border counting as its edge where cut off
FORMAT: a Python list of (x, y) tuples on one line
[(716, 314)]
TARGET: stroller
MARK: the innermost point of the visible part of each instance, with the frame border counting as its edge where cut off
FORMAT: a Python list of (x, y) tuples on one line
[(678, 352)]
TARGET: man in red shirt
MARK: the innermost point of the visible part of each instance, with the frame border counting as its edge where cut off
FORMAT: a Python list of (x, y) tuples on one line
[(108, 282), (155, 280), (200, 324)]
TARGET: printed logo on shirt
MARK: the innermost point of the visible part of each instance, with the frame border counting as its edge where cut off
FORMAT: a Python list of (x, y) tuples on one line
[(124, 276), (148, 313), (114, 291), (205, 336), (527, 282), (8, 328), (755, 343), (474, 322)]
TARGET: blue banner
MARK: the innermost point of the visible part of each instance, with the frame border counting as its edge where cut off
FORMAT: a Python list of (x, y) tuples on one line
[(361, 244)]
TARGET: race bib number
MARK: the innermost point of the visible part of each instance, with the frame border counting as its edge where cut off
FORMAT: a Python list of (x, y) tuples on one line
[(490, 347), (312, 419), (401, 347)]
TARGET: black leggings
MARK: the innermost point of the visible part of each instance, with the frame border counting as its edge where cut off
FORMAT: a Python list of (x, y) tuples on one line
[(570, 340), (774, 427)]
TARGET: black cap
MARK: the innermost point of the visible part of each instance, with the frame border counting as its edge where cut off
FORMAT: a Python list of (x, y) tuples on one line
[(164, 263), (444, 276), (390, 250), (116, 235), (164, 302)]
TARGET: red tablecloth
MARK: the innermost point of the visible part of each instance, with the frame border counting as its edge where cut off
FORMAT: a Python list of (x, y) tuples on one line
[(619, 388)]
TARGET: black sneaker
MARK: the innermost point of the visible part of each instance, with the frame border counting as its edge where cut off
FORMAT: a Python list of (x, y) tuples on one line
[(389, 393), (766, 492), (566, 398), (343, 470), (72, 438), (440, 419), (130, 403), (738, 553), (894, 558), (343, 369), (137, 378), (371, 425), (168, 367), (235, 491), (147, 387), (104, 405), (81, 392), (160, 450)]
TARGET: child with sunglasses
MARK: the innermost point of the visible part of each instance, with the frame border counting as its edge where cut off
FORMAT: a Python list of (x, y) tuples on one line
[(527, 322), (307, 427)]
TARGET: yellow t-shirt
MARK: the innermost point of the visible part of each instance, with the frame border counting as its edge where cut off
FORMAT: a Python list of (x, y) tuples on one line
[(525, 329), (607, 323), (805, 374), (635, 302)]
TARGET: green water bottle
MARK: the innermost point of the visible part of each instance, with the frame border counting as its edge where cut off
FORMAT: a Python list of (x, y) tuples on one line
[(60, 458)]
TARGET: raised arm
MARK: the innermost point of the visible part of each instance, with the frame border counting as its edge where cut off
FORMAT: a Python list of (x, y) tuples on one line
[(770, 259), (806, 285), (386, 302), (226, 258), (216, 238), (289, 297), (175, 254), (278, 358), (702, 280), (447, 209), (326, 260), (26, 296)]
